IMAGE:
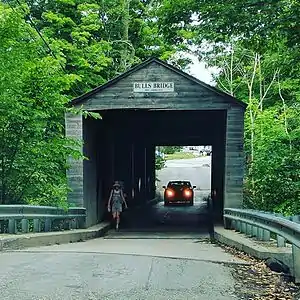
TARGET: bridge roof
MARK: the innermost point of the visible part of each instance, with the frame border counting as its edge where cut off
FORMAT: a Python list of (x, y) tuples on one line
[(228, 98)]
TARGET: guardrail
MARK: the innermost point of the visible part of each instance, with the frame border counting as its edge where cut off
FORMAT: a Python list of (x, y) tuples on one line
[(294, 218), (261, 225), (27, 218)]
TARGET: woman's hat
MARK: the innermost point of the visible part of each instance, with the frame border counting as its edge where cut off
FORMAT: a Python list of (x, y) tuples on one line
[(116, 184)]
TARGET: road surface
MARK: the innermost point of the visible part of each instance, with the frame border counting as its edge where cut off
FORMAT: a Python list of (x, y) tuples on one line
[(133, 263), (177, 217), (112, 268), (197, 170)]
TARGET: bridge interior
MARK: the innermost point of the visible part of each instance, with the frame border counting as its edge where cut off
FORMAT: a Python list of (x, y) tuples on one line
[(121, 146)]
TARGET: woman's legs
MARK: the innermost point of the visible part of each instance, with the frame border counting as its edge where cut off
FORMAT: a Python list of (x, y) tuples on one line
[(114, 215), (116, 212), (117, 219)]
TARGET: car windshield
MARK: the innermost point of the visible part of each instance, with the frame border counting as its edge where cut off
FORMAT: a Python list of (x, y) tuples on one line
[(179, 184)]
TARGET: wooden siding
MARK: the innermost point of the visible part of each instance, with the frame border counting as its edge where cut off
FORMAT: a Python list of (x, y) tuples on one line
[(73, 125), (234, 158), (187, 94)]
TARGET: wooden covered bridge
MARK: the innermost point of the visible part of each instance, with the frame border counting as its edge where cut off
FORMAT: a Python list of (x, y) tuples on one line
[(153, 104)]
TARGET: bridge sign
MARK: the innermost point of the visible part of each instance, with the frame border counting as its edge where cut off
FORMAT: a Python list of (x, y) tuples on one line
[(152, 87)]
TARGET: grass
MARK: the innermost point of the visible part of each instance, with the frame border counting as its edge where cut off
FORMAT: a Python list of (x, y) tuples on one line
[(180, 155)]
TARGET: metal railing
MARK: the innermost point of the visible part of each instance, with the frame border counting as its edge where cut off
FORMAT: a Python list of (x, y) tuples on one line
[(262, 225), (27, 218)]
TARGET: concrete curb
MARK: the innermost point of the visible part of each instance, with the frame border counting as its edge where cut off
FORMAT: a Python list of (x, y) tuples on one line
[(257, 249), (18, 242)]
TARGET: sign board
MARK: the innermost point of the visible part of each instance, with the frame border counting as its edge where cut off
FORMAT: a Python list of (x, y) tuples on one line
[(152, 87)]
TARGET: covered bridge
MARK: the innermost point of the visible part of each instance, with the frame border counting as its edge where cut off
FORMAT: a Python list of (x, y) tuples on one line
[(153, 104)]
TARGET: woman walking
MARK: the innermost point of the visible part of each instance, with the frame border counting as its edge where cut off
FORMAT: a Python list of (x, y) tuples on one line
[(115, 202)]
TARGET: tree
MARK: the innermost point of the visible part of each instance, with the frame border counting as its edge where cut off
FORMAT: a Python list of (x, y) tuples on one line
[(98, 40), (271, 125), (52, 51), (159, 162), (171, 149), (253, 21), (32, 104), (255, 44)]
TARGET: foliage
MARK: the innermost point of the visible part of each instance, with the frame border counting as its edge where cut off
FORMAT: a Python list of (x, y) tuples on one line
[(52, 51), (170, 149), (159, 162), (257, 23), (180, 155), (33, 147), (98, 40), (255, 45), (272, 123), (275, 170)]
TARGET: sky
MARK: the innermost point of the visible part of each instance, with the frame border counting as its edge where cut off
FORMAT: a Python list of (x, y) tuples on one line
[(198, 70)]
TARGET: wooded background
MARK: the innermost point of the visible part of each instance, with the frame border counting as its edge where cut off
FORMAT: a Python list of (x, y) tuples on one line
[(53, 51)]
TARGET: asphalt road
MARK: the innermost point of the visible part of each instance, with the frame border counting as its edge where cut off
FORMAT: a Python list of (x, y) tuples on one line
[(112, 269), (197, 170), (176, 217), (132, 263)]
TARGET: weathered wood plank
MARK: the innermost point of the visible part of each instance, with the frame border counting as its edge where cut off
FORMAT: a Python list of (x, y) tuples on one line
[(187, 95), (121, 94), (234, 160), (75, 172), (197, 105)]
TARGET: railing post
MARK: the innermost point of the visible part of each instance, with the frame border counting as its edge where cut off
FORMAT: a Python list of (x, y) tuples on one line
[(296, 219), (36, 225), (227, 223), (266, 235), (12, 228), (260, 234), (48, 225), (238, 226), (296, 261), (25, 225), (280, 241), (254, 231), (81, 222), (233, 224), (243, 227), (73, 223), (248, 229)]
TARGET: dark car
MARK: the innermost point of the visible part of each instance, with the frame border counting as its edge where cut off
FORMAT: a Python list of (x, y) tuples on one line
[(179, 192)]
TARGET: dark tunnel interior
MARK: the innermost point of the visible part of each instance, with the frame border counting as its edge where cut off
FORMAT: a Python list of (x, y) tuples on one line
[(121, 146)]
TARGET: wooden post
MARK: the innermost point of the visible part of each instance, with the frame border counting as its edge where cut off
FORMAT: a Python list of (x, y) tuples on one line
[(249, 230), (12, 226), (243, 227), (266, 235), (48, 225), (25, 225), (296, 262), (280, 241), (260, 234), (238, 226), (36, 225), (254, 231), (73, 223), (227, 223)]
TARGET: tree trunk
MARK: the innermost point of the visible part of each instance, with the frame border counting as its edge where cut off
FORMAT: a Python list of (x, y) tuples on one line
[(124, 34)]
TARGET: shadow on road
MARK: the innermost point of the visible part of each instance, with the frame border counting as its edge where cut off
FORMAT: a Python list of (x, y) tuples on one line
[(174, 219)]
